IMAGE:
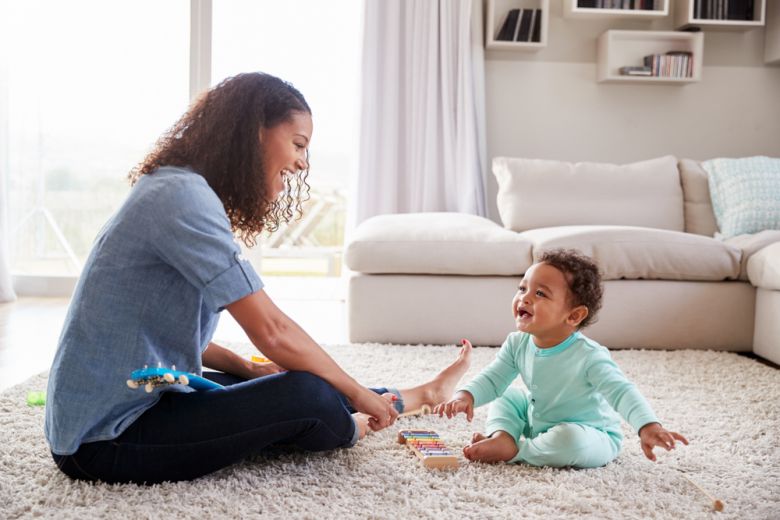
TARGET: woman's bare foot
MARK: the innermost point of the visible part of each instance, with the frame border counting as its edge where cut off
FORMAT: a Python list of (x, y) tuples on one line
[(499, 447), (441, 387)]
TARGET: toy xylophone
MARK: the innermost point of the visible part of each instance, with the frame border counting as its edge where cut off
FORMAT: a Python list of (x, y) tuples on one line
[(429, 447)]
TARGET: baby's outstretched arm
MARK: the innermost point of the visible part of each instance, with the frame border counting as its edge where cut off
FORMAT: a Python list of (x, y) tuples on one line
[(653, 434), (462, 401)]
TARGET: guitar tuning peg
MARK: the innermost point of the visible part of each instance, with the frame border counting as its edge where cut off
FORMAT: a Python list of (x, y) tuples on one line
[(146, 366), (184, 380), (173, 367), (159, 364), (149, 387), (132, 384), (169, 378)]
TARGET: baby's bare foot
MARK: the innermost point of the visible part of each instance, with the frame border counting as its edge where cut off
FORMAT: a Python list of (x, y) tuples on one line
[(499, 447), (361, 422)]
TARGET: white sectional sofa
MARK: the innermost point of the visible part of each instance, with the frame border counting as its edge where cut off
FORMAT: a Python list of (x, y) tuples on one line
[(438, 277)]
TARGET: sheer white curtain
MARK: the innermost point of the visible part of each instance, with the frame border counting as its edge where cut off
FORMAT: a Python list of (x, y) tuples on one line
[(422, 136), (6, 286)]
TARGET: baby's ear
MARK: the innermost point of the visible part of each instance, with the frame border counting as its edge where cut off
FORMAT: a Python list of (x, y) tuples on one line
[(577, 315)]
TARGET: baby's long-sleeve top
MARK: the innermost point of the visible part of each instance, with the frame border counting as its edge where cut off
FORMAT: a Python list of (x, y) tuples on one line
[(575, 381)]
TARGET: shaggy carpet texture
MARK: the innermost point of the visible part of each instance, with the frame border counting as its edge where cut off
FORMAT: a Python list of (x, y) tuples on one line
[(728, 406)]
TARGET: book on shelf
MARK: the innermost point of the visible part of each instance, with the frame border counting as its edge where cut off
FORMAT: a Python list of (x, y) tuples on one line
[(524, 30), (536, 32), (617, 4), (635, 71), (673, 64), (508, 29), (723, 9)]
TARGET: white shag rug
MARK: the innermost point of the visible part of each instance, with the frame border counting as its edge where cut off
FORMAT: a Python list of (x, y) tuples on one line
[(727, 405)]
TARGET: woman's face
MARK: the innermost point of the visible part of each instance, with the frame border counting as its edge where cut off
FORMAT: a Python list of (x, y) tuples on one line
[(284, 150)]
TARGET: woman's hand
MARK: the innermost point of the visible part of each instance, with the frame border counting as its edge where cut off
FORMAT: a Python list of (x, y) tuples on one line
[(653, 434), (461, 402), (263, 369), (381, 410)]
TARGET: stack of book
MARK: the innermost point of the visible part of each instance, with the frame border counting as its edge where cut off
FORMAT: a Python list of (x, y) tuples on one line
[(723, 9), (617, 4), (673, 64), (636, 71), (521, 25)]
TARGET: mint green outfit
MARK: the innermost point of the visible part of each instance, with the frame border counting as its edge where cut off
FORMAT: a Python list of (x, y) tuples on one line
[(568, 415)]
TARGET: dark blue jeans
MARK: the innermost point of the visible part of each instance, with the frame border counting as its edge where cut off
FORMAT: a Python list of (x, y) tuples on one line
[(187, 435)]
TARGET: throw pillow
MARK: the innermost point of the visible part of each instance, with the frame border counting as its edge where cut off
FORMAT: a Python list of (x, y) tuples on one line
[(745, 194)]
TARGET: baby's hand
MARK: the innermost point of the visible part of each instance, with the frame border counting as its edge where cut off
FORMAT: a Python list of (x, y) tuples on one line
[(460, 402), (653, 434)]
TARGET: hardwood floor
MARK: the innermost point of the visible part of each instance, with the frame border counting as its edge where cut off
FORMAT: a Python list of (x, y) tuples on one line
[(30, 327)]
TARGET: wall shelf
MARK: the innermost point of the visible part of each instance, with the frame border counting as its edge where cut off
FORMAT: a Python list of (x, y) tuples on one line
[(617, 49), (772, 34), (572, 9), (497, 11), (687, 12)]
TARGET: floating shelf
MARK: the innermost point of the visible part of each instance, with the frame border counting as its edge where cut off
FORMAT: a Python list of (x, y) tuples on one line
[(497, 11), (626, 48), (571, 9), (685, 17)]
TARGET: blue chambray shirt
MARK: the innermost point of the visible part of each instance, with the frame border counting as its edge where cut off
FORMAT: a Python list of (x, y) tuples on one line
[(151, 291)]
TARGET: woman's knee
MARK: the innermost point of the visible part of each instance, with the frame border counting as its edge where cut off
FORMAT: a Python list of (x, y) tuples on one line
[(317, 397)]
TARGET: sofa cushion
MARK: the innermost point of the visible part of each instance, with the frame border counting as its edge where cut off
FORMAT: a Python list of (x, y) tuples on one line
[(643, 253), (750, 244), (436, 243), (699, 216), (763, 268), (745, 194), (536, 193)]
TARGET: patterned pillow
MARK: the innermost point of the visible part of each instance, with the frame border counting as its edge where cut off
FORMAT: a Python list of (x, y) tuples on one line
[(745, 194)]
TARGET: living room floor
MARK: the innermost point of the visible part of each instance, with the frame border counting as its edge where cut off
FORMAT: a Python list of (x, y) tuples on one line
[(30, 327)]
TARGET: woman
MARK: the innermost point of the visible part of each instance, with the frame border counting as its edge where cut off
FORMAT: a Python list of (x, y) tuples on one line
[(160, 272)]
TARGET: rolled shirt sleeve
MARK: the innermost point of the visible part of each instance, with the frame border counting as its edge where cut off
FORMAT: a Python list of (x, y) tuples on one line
[(191, 232)]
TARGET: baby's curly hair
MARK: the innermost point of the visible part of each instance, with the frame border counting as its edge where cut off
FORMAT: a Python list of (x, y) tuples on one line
[(218, 137), (584, 279)]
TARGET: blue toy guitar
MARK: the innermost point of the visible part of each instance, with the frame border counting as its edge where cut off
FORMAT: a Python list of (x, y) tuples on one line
[(150, 378)]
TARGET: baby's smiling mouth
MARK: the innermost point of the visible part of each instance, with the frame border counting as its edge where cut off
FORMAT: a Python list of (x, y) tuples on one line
[(522, 314)]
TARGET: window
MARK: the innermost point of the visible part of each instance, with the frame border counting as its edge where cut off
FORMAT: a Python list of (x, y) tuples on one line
[(314, 45), (91, 85)]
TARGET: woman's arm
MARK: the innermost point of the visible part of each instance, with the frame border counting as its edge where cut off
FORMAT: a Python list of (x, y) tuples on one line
[(219, 358), (287, 344)]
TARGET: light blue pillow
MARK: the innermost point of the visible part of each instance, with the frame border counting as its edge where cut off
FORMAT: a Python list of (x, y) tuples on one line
[(745, 194)]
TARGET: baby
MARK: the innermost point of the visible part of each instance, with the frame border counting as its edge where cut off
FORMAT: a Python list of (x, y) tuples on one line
[(568, 415)]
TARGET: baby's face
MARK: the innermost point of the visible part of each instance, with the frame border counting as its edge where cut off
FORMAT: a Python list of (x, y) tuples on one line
[(542, 306)]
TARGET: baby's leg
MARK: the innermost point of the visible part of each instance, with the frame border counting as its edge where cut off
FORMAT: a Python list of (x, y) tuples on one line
[(507, 421), (569, 444)]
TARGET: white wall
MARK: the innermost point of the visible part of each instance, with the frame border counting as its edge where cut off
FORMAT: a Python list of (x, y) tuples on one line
[(548, 105)]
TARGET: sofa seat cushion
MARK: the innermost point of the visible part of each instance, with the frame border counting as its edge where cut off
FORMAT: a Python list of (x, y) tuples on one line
[(643, 253), (763, 268), (750, 244), (537, 193), (436, 243)]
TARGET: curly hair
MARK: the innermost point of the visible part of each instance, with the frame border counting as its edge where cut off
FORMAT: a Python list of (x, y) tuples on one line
[(218, 137), (582, 275)]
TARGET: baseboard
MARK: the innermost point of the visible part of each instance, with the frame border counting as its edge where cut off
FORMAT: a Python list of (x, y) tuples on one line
[(55, 286)]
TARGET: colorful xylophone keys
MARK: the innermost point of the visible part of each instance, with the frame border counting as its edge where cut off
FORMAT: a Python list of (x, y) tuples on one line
[(427, 445)]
